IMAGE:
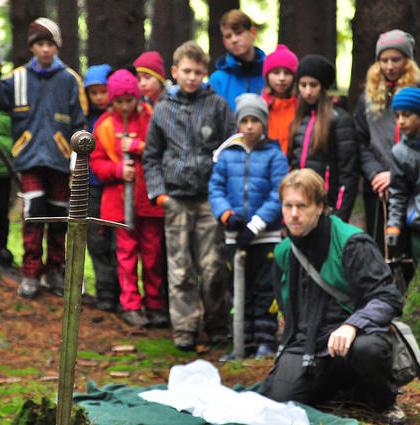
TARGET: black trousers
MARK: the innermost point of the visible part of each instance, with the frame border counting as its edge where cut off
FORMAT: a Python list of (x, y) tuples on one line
[(101, 246), (5, 188), (260, 325), (364, 375)]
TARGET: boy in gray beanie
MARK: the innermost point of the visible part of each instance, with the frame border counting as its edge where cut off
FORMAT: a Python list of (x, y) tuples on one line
[(243, 196)]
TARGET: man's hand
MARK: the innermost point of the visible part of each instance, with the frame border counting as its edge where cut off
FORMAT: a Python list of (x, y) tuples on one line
[(381, 182), (128, 170), (341, 339)]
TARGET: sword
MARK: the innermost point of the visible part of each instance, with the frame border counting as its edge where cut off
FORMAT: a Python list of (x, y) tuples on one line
[(83, 144), (128, 186), (10, 169)]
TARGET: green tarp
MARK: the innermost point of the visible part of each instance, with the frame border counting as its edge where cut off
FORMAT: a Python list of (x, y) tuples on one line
[(117, 404)]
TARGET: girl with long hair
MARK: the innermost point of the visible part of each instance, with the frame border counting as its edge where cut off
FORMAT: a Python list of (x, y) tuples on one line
[(322, 135)]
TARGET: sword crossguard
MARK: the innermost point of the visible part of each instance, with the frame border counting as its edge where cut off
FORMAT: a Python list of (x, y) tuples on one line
[(83, 143)]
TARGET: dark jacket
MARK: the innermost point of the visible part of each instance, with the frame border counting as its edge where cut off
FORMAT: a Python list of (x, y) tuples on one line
[(404, 189), (46, 109), (183, 133), (233, 77), (338, 166), (359, 268), (246, 181), (375, 136)]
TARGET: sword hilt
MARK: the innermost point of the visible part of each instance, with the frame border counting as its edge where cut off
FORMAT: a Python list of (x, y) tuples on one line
[(83, 144)]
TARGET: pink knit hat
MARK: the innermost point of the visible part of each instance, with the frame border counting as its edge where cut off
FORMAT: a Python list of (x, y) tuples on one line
[(151, 63), (122, 82), (283, 57)]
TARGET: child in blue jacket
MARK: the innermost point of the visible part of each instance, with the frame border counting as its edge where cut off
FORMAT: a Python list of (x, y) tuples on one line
[(243, 196)]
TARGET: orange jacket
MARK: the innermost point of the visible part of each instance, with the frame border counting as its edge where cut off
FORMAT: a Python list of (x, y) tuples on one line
[(281, 114)]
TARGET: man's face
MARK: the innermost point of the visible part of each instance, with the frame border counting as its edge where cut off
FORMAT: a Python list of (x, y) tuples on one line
[(300, 214), (240, 42), (189, 74), (409, 123), (44, 51)]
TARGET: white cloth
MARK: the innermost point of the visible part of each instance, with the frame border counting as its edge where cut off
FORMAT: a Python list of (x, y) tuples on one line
[(197, 388)]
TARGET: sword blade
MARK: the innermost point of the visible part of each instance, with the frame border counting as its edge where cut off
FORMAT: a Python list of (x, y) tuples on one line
[(75, 261)]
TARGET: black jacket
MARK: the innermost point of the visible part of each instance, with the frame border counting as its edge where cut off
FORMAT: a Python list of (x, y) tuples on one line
[(340, 162)]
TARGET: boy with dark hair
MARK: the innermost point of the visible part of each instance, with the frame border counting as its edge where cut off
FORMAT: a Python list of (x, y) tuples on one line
[(186, 126), (404, 189), (44, 99), (240, 69)]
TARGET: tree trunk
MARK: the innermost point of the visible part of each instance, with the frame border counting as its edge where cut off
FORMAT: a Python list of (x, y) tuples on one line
[(68, 21), (216, 10), (115, 31), (370, 20), (308, 26), (171, 25), (22, 13)]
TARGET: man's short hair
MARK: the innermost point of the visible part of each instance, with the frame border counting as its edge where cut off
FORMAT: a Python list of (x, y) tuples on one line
[(309, 182), (190, 50), (236, 20)]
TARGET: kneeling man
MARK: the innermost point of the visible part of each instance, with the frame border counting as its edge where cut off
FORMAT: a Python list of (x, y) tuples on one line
[(331, 349)]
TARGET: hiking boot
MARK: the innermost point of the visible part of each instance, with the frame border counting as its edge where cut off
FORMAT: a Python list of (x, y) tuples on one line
[(184, 341), (135, 318), (106, 305), (29, 287), (158, 318), (6, 258), (263, 351), (54, 282), (394, 416)]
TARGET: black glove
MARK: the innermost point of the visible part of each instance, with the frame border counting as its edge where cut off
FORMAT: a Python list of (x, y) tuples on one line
[(235, 222), (245, 237)]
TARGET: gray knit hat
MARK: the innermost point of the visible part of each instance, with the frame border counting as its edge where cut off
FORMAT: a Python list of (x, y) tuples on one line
[(396, 39), (251, 104)]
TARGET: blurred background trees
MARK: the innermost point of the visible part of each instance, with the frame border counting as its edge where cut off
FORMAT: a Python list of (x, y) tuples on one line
[(117, 31)]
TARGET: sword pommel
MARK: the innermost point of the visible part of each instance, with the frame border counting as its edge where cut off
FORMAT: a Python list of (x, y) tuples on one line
[(82, 142)]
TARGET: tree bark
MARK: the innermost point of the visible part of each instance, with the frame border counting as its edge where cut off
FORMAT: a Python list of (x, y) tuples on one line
[(308, 26), (216, 10), (68, 21), (22, 13), (115, 31), (171, 26), (370, 20)]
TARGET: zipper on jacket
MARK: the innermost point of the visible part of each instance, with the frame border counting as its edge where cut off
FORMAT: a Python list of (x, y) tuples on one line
[(307, 140), (246, 200), (340, 197)]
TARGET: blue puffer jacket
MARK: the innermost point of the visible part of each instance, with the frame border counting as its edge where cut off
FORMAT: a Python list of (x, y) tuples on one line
[(45, 106), (246, 181), (233, 77)]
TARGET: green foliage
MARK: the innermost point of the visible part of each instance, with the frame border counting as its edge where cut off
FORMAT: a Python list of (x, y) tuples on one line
[(158, 348), (44, 413), (7, 371), (412, 306)]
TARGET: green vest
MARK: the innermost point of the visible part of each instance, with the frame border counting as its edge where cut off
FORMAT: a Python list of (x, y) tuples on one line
[(332, 271)]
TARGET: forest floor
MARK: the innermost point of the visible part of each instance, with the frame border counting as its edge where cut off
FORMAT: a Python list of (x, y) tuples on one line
[(29, 351)]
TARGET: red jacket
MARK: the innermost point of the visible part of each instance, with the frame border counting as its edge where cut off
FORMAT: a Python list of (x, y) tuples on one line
[(107, 164)]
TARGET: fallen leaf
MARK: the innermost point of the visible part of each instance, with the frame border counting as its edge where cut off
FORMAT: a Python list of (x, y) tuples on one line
[(119, 374), (124, 349)]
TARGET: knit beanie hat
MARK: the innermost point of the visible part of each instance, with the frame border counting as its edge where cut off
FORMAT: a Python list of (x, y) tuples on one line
[(123, 82), (251, 104), (283, 57), (317, 66), (44, 29), (407, 99), (395, 39), (97, 74), (151, 63)]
